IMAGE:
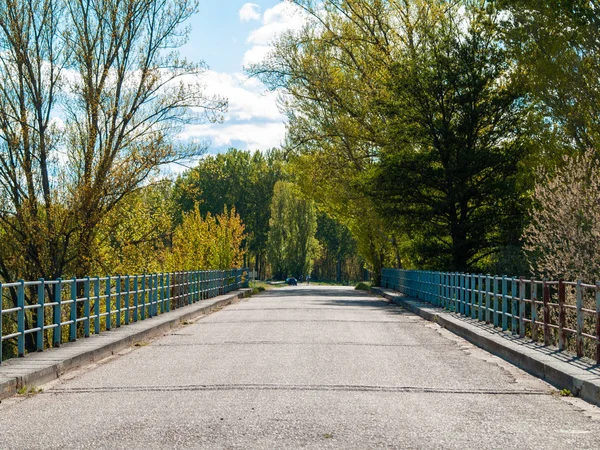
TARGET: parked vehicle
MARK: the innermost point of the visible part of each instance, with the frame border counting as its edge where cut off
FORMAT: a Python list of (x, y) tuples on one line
[(292, 281)]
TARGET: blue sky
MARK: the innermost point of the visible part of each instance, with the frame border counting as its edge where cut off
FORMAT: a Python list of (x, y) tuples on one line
[(227, 34), (218, 35)]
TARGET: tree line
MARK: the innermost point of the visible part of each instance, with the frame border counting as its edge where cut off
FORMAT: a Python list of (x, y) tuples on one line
[(429, 127)]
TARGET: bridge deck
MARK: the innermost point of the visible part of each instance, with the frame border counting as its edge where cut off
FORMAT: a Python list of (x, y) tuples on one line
[(320, 367)]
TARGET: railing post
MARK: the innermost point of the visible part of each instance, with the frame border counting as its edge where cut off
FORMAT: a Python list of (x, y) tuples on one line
[(461, 293), (143, 308), (513, 311), (150, 290), (488, 298), (597, 321), (135, 298), (447, 291), (168, 292), (505, 303), (533, 309), (107, 290), (73, 311), (86, 307), (162, 293), (453, 303), (546, 300), (202, 284), (472, 283), (561, 315), (127, 294), (190, 285), (156, 290), (453, 299), (21, 318), (57, 314), (1, 304), (438, 289), (480, 294), (495, 301), (97, 306), (522, 294), (39, 341), (467, 295), (118, 301), (579, 336)]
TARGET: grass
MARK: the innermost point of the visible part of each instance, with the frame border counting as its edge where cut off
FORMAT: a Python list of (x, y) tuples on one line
[(565, 393), (29, 390)]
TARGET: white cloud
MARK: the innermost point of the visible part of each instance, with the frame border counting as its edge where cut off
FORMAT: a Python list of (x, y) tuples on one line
[(276, 20), (249, 11), (256, 54), (281, 17), (253, 117), (248, 99), (255, 136)]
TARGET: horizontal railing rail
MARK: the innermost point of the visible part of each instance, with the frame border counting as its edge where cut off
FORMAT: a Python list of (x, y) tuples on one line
[(561, 313), (57, 311)]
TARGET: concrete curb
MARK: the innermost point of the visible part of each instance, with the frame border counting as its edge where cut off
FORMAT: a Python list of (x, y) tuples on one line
[(41, 367), (562, 370)]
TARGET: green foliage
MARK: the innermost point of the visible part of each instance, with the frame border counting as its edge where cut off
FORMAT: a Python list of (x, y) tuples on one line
[(557, 46), (562, 239), (338, 258), (333, 71), (29, 391), (209, 242), (363, 287), (91, 105), (237, 179), (292, 246), (565, 393), (135, 236), (450, 170)]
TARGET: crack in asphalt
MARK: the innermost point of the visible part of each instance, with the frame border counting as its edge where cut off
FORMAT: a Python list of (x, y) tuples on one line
[(294, 387), (206, 322), (295, 343)]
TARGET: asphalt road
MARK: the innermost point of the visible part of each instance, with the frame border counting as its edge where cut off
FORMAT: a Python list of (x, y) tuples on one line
[(301, 367)]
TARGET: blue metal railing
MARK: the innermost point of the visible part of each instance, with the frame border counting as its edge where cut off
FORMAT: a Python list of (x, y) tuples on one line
[(56, 309), (563, 312)]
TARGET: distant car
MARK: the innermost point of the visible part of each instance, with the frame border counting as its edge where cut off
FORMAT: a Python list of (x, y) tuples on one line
[(292, 281)]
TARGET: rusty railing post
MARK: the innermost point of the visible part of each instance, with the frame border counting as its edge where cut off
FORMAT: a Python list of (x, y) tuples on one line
[(546, 293), (561, 315), (579, 304)]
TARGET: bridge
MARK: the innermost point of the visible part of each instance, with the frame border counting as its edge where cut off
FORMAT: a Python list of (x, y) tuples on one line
[(306, 366)]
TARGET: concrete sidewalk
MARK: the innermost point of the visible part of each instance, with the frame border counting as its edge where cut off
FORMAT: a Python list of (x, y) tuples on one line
[(563, 370), (38, 368)]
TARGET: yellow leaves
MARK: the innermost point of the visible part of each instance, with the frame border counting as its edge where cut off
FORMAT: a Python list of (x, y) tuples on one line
[(211, 242)]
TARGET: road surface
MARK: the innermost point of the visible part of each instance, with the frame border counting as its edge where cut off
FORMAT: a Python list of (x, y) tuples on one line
[(301, 367)]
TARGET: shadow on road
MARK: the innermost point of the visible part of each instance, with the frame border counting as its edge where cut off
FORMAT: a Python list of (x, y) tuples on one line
[(337, 296)]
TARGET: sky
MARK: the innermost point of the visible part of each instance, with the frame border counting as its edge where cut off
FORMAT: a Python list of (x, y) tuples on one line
[(226, 35)]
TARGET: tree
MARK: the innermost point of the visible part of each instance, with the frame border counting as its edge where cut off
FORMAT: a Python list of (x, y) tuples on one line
[(557, 45), (135, 236), (333, 72), (563, 238), (239, 179), (450, 169), (209, 242), (92, 94), (337, 247), (291, 244)]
